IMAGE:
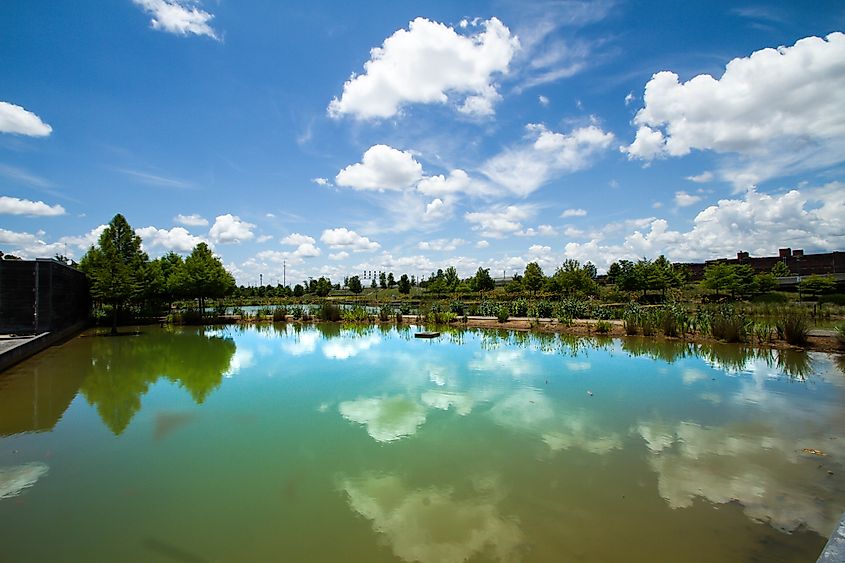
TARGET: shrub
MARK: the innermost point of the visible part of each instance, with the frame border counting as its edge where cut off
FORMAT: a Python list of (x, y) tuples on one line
[(603, 327), (545, 309), (355, 314), (263, 312), (794, 328), (399, 317), (573, 308), (632, 324), (519, 308), (762, 332), (648, 323), (726, 324), (502, 314), (280, 315), (329, 312), (457, 307), (385, 313), (296, 312)]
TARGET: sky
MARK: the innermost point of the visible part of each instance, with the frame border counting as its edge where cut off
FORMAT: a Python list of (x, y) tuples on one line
[(337, 138)]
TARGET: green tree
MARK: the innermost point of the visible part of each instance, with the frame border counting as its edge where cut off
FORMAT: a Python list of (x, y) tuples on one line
[(816, 285), (298, 290), (573, 278), (391, 281), (766, 282), (404, 284), (533, 278), (323, 286), (354, 284), (482, 281), (382, 280), (373, 284), (451, 279), (202, 276), (781, 270), (115, 267)]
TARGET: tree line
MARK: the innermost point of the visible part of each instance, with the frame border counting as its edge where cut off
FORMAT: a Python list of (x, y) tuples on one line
[(122, 276)]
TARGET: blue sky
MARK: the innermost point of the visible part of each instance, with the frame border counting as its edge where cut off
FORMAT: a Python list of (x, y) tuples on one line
[(342, 137)]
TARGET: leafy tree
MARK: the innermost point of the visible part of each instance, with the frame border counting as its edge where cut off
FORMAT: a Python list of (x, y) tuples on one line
[(382, 280), (533, 278), (766, 282), (391, 281), (572, 278), (373, 284), (451, 279), (482, 281), (736, 279), (816, 285), (404, 284), (354, 284), (202, 276), (298, 290), (781, 270), (115, 267), (322, 286)]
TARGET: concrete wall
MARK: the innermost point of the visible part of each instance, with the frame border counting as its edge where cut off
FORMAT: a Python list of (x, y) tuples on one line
[(41, 295)]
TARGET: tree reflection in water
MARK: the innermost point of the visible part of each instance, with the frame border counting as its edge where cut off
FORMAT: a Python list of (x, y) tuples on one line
[(123, 368)]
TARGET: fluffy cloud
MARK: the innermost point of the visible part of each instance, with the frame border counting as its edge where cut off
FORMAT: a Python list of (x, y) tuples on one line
[(17, 120), (339, 255), (181, 17), (810, 218), (497, 222), (16, 206), (29, 245), (321, 181), (305, 246), (540, 231), (229, 228), (524, 168), (457, 182), (441, 244), (482, 244), (177, 239), (194, 220), (544, 101), (382, 168), (428, 63), (345, 239), (702, 178), (683, 199), (779, 109)]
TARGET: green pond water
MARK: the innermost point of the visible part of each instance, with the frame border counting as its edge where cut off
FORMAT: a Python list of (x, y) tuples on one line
[(329, 443)]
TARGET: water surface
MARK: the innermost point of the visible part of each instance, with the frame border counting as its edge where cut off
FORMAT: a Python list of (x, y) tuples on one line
[(327, 443)]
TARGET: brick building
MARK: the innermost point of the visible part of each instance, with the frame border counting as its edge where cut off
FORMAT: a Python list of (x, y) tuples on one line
[(799, 264)]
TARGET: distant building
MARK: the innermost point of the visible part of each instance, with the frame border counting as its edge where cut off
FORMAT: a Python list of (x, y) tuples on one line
[(799, 264)]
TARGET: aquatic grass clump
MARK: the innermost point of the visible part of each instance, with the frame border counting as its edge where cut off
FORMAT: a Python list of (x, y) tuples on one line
[(840, 334), (280, 314), (355, 314), (603, 327), (296, 312), (728, 325), (329, 312), (385, 313), (794, 328), (502, 314)]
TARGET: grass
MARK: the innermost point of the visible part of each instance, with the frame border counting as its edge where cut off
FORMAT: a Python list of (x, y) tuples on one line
[(840, 334), (794, 328)]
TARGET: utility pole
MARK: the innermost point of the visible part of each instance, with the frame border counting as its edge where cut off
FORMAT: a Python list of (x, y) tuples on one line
[(284, 273), (260, 280)]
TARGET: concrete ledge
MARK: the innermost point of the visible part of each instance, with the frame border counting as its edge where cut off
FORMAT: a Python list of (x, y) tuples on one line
[(23, 348), (834, 551)]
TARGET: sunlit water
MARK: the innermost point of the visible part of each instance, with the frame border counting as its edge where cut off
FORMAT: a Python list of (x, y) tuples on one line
[(340, 444)]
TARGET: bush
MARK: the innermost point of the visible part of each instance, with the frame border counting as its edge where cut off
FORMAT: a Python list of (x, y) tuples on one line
[(603, 327), (263, 312), (794, 328), (502, 314), (519, 308), (280, 315), (545, 309), (728, 325), (385, 313), (457, 307), (573, 309), (329, 312), (399, 317), (355, 314), (296, 312)]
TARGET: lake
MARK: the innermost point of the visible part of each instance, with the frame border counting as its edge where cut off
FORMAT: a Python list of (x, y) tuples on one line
[(332, 443)]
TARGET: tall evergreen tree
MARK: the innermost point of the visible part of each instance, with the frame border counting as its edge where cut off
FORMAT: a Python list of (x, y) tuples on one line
[(202, 276), (115, 267)]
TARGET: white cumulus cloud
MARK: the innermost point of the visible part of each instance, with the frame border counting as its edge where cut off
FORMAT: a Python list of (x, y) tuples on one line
[(17, 120), (499, 221), (180, 17), (177, 239), (780, 110), (344, 239), (194, 220), (16, 206), (441, 244), (230, 228), (430, 63), (381, 168), (306, 246), (683, 199)]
